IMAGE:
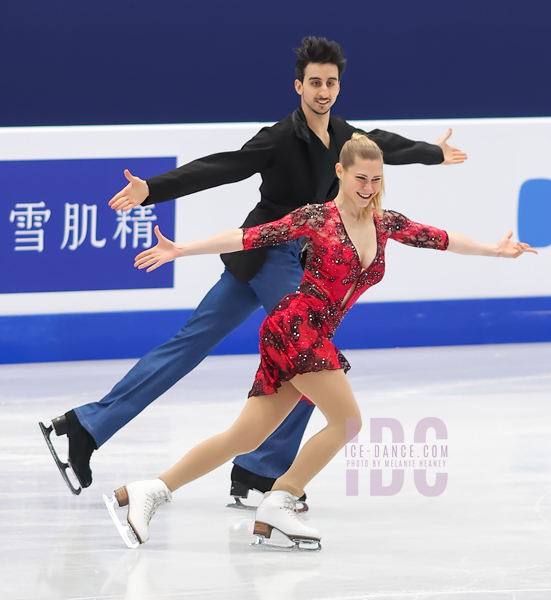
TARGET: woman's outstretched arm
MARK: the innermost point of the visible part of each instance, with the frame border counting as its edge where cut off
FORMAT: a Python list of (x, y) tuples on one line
[(289, 227), (166, 250), (505, 248)]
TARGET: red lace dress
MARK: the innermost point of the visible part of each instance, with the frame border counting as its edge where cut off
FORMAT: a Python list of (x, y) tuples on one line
[(296, 336)]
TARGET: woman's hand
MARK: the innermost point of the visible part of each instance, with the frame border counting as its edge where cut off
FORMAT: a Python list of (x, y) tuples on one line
[(506, 248), (165, 251)]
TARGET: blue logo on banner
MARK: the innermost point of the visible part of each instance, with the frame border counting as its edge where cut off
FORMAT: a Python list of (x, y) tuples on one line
[(534, 212), (58, 234)]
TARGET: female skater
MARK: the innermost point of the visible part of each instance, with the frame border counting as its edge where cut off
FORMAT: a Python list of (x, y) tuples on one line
[(346, 244)]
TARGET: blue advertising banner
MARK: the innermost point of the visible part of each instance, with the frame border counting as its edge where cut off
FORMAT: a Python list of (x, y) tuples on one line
[(534, 212), (58, 234)]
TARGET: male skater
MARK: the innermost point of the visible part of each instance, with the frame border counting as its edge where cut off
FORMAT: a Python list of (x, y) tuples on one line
[(296, 159)]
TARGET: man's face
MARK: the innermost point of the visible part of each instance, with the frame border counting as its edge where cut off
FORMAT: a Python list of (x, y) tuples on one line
[(320, 87)]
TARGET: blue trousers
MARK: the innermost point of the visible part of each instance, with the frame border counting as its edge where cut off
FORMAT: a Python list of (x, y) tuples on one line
[(228, 304)]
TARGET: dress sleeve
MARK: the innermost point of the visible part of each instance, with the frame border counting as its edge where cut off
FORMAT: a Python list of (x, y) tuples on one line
[(302, 221), (408, 232)]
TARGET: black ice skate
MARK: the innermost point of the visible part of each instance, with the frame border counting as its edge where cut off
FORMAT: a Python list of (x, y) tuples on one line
[(81, 446), (243, 481)]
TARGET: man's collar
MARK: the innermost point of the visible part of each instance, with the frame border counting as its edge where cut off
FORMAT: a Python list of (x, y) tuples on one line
[(301, 125)]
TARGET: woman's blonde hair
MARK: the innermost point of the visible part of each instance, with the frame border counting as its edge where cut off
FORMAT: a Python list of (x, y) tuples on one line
[(359, 146)]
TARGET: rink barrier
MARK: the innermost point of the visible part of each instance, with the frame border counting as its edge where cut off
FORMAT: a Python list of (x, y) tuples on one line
[(98, 336)]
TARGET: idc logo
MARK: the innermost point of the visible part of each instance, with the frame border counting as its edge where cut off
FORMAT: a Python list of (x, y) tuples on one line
[(534, 212), (427, 461)]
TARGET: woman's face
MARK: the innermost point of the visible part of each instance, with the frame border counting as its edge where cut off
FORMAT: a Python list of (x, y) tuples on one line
[(361, 181)]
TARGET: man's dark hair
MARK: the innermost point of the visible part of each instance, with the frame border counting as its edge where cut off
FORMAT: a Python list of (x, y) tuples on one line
[(318, 50)]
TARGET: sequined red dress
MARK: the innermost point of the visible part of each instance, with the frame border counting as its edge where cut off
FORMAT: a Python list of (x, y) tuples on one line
[(296, 336)]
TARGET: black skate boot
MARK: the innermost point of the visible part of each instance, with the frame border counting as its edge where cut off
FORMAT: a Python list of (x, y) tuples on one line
[(81, 446), (242, 481)]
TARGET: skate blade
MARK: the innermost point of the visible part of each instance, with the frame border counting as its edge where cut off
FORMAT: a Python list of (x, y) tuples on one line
[(298, 545), (301, 507), (62, 466), (125, 531), (240, 506)]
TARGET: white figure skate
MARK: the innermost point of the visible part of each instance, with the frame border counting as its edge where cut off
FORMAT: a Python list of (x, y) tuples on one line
[(143, 498), (278, 511)]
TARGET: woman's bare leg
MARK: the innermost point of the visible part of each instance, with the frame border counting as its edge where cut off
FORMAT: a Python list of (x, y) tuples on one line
[(260, 417), (332, 394)]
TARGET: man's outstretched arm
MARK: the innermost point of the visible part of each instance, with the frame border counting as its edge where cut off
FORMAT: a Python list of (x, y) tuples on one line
[(201, 174), (398, 150)]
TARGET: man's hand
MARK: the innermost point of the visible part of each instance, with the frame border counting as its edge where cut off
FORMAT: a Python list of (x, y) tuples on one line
[(452, 156), (130, 196)]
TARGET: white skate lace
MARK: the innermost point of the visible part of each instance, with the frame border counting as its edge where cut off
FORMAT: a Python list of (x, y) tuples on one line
[(152, 503), (290, 507)]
